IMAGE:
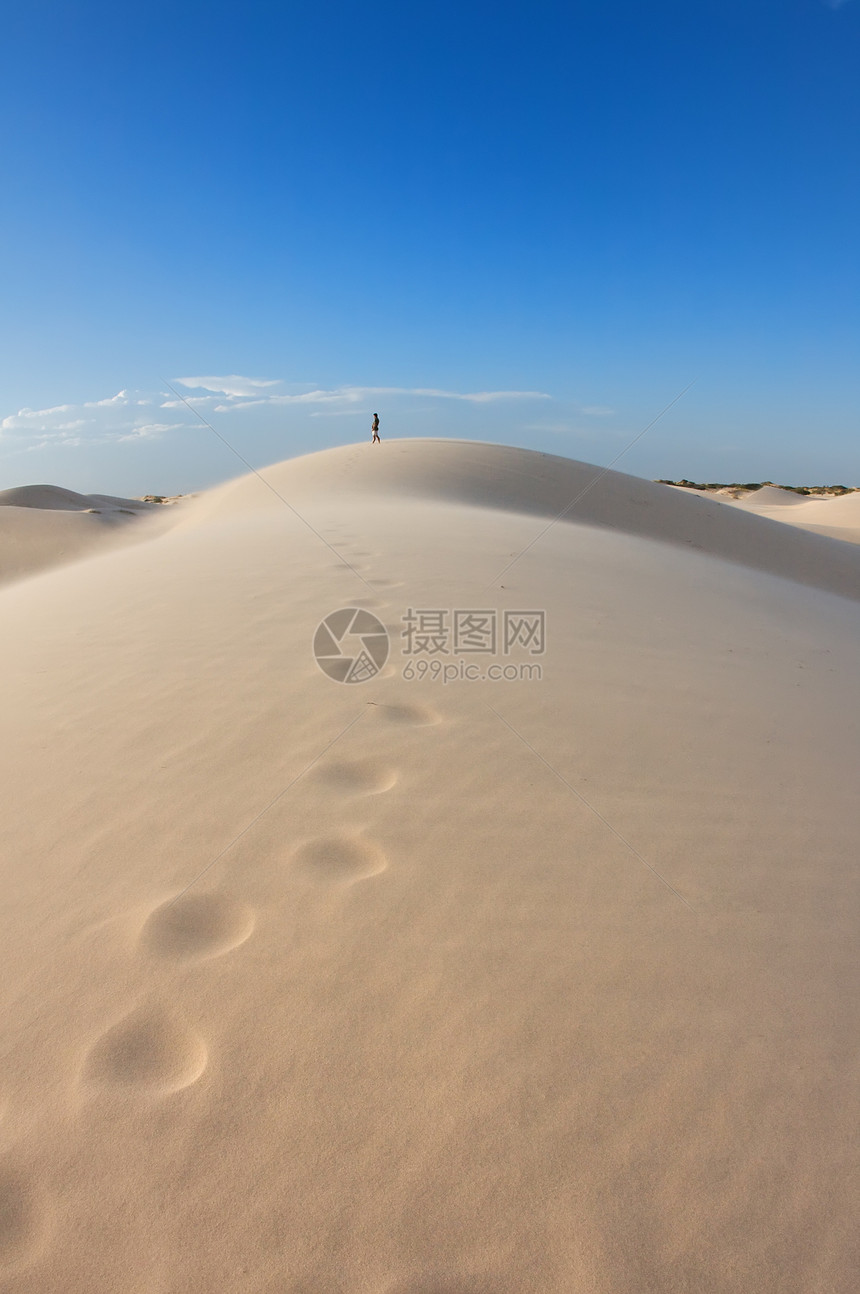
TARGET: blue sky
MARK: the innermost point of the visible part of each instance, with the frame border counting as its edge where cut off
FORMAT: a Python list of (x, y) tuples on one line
[(531, 223)]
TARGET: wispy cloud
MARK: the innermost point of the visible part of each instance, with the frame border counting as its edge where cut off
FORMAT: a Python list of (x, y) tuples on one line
[(28, 418), (114, 419), (150, 431), (113, 401), (235, 384), (597, 411), (131, 415), (244, 393), (473, 397)]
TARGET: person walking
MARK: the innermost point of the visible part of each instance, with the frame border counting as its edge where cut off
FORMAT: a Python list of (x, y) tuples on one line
[(375, 430)]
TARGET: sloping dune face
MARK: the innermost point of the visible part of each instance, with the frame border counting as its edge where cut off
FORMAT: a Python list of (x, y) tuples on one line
[(541, 980), (542, 485), (837, 516), (45, 525)]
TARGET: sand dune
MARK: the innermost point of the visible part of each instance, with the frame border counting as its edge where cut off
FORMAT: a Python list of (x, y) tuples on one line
[(46, 525), (53, 498), (411, 988), (542, 485), (835, 516), (769, 496)]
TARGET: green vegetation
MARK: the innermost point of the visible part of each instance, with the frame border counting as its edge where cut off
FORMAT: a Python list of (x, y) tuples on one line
[(757, 485)]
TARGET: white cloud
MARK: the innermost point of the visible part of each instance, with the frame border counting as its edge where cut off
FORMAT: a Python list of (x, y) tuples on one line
[(473, 397), (120, 398), (234, 385), (150, 431), (358, 394), (480, 397), (340, 395), (119, 418), (26, 418), (192, 400), (115, 419)]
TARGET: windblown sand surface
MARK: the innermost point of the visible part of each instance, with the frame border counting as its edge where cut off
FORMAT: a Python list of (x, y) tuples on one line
[(406, 988), (837, 516), (45, 525)]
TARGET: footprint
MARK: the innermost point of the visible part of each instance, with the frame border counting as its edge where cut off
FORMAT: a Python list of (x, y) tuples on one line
[(340, 858), (22, 1215), (150, 1051), (415, 715), (195, 926), (357, 777)]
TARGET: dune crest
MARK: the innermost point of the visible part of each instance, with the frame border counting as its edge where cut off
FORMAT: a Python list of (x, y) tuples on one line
[(540, 982), (525, 482)]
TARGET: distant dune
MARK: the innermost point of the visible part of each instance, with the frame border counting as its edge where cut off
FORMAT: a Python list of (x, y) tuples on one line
[(543, 985), (45, 525), (836, 515)]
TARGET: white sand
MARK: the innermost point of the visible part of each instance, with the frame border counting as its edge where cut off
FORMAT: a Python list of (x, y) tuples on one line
[(835, 515), (422, 1018), (45, 525)]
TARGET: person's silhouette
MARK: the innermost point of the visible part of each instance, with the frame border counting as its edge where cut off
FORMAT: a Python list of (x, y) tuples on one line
[(375, 430)]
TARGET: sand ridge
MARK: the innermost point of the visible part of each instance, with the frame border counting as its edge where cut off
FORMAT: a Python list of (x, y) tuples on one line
[(546, 486), (360, 989), (45, 525), (835, 516)]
